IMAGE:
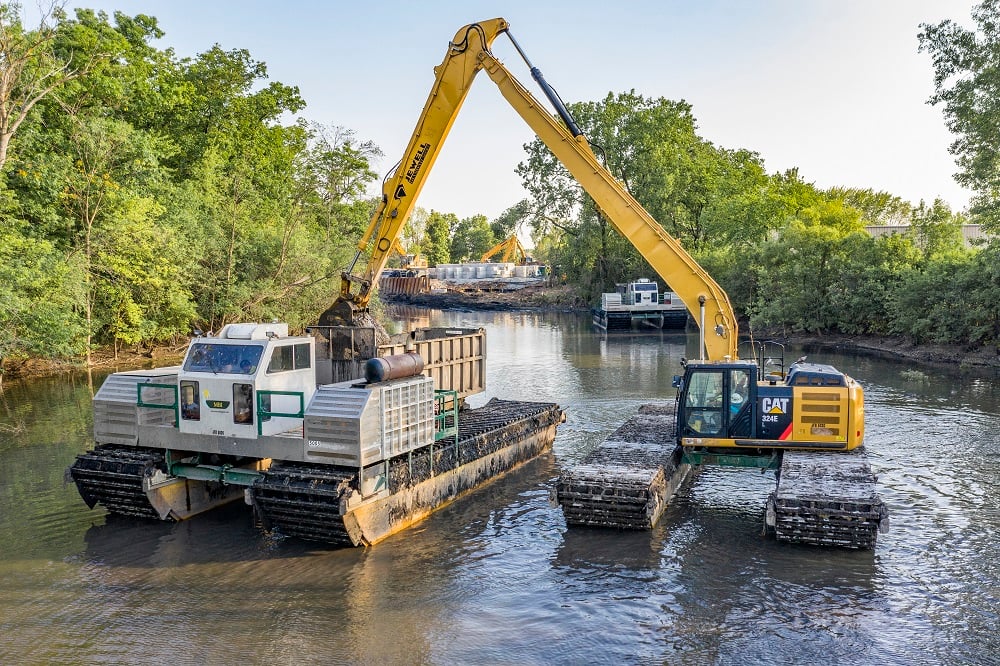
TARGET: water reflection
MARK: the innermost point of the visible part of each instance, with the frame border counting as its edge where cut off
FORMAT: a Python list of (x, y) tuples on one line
[(497, 577)]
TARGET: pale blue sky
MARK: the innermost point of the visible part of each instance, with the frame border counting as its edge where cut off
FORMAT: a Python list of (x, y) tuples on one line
[(833, 87)]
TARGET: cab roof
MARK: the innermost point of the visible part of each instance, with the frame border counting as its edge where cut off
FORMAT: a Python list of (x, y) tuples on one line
[(815, 374)]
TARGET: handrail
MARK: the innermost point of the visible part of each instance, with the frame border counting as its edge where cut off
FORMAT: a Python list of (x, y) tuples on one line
[(266, 414), (155, 405)]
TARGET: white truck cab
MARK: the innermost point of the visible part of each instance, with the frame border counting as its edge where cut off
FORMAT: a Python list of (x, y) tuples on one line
[(240, 382), (640, 292)]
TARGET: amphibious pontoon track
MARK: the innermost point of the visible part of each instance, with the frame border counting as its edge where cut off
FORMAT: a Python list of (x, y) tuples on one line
[(827, 499), (304, 500), (310, 501), (625, 482), (113, 476)]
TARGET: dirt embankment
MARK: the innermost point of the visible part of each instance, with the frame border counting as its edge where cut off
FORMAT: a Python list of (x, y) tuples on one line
[(495, 296), (103, 359), (900, 348), (533, 298)]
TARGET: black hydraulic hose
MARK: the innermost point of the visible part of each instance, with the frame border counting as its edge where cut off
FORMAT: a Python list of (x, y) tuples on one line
[(549, 91)]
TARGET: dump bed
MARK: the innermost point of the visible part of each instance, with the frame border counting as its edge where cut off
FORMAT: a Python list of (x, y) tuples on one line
[(455, 358)]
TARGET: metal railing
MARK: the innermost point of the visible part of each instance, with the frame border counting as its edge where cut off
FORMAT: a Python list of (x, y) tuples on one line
[(445, 417), (263, 414), (139, 402)]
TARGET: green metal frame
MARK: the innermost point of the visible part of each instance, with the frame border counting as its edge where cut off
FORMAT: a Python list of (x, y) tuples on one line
[(227, 474), (442, 413), (745, 460), (445, 425), (175, 406), (263, 413)]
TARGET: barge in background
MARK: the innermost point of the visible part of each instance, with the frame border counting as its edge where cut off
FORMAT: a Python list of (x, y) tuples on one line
[(287, 425), (640, 302)]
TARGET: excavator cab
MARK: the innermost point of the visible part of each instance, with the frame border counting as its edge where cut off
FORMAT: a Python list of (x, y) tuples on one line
[(718, 400), (729, 404)]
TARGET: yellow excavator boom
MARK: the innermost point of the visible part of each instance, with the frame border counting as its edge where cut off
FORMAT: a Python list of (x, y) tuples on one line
[(468, 53), (511, 248)]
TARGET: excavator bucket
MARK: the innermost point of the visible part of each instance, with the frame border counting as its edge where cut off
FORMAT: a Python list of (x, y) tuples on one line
[(342, 313), (352, 333)]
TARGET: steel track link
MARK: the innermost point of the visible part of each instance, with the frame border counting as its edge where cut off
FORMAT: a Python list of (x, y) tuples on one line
[(827, 499), (113, 476), (303, 500)]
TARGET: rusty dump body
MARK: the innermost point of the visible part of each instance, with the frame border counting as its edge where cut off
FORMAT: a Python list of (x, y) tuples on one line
[(319, 451)]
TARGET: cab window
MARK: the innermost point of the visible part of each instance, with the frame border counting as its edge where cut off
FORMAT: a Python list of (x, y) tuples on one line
[(243, 403), (190, 401), (289, 357), (223, 358), (739, 390), (704, 403)]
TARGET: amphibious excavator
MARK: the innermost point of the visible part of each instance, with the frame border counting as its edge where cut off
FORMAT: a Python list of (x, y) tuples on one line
[(728, 411)]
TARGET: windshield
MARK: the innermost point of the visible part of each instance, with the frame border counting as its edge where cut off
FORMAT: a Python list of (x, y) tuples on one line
[(216, 358)]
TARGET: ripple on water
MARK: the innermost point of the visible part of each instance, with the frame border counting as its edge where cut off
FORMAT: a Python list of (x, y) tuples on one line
[(497, 577)]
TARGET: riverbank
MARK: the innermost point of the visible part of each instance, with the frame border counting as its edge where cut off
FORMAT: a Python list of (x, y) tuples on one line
[(490, 297), (535, 299), (902, 349), (562, 299), (102, 360)]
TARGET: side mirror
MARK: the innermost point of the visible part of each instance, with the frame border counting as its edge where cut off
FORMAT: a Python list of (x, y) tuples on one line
[(678, 382)]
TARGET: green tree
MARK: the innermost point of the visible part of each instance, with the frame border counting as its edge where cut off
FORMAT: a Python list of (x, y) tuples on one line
[(702, 195), (37, 300), (877, 208), (865, 284), (472, 237), (932, 301), (104, 199), (338, 168), (437, 240), (31, 67), (966, 79), (799, 275), (935, 230)]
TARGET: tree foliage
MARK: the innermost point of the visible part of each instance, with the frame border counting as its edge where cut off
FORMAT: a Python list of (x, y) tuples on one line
[(471, 238), (142, 194), (967, 80), (150, 193), (437, 237)]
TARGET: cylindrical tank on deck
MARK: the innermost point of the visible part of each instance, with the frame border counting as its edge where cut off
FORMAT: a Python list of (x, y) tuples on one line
[(398, 366)]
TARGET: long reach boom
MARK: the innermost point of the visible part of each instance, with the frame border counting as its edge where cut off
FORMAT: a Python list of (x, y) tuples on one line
[(468, 53)]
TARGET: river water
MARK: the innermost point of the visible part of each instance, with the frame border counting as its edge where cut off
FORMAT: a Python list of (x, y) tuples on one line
[(497, 578)]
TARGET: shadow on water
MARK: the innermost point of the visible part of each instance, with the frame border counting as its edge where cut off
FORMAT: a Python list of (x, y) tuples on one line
[(595, 548), (227, 534)]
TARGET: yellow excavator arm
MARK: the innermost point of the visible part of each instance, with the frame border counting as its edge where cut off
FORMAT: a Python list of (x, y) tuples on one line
[(467, 54), (511, 248)]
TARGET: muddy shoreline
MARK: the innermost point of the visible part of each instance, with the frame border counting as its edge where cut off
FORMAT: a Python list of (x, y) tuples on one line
[(545, 300), (895, 347)]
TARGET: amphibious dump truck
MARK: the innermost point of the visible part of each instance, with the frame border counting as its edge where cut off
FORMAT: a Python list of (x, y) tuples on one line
[(347, 462)]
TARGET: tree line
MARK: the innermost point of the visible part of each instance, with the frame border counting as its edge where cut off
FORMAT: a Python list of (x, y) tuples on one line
[(143, 194)]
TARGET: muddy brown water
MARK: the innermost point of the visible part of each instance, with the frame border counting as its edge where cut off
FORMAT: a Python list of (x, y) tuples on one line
[(497, 578)]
